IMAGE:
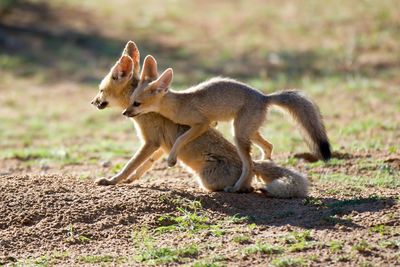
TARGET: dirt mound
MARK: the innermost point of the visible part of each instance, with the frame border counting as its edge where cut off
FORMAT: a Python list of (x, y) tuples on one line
[(43, 214), (39, 212)]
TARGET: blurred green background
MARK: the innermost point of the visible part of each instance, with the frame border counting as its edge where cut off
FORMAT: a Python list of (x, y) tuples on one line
[(344, 54)]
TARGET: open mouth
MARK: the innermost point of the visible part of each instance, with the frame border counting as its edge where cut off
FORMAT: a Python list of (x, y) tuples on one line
[(130, 115), (102, 105), (134, 115)]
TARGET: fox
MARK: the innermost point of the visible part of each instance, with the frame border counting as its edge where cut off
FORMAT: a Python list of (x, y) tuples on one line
[(210, 156), (224, 99)]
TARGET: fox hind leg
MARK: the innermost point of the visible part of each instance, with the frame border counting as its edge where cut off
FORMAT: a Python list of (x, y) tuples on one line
[(246, 125), (264, 145), (243, 184)]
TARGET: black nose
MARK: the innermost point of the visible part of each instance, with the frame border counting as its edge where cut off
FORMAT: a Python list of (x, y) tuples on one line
[(102, 105), (92, 102)]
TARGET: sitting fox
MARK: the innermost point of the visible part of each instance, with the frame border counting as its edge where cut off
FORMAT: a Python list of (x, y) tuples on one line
[(213, 158), (222, 99)]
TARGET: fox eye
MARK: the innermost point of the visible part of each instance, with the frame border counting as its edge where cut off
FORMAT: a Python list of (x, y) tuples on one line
[(136, 104), (101, 90), (114, 78)]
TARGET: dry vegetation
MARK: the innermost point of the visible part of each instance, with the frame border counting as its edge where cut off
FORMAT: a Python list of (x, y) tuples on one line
[(344, 54)]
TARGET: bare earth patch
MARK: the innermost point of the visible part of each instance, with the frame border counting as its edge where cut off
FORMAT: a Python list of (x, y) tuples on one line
[(61, 219)]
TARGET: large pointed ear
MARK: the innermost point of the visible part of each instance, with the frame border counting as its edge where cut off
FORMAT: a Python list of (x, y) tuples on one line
[(123, 69), (149, 70), (164, 81), (132, 51)]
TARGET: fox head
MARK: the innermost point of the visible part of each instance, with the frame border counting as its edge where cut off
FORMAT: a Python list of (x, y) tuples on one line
[(114, 88), (151, 89)]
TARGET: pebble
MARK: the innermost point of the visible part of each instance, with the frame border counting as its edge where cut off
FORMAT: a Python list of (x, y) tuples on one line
[(106, 164)]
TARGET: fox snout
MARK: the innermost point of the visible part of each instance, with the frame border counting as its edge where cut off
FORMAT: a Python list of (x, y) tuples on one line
[(129, 113), (99, 104)]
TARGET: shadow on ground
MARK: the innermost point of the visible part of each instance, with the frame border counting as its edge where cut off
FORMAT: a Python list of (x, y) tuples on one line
[(317, 213), (40, 210)]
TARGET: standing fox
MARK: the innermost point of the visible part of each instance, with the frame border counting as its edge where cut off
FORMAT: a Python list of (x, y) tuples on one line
[(211, 156), (222, 99)]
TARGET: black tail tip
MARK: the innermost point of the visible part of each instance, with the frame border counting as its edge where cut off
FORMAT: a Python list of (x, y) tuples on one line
[(325, 150)]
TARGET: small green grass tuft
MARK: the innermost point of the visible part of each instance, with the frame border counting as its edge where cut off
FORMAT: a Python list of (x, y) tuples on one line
[(164, 255), (206, 264), (335, 246), (299, 241), (392, 244), (295, 237), (366, 264), (73, 237), (142, 239), (381, 178), (93, 259), (149, 253), (49, 259), (242, 239), (300, 246), (259, 248), (186, 220), (312, 201), (380, 229), (362, 247), (289, 262), (238, 219), (190, 218)]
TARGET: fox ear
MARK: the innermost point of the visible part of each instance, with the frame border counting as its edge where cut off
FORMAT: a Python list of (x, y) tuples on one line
[(149, 70), (165, 80), (123, 69), (132, 51)]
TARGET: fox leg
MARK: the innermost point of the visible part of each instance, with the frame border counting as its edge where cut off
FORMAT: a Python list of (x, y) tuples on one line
[(191, 134), (145, 166), (246, 125), (265, 146), (243, 184), (144, 153), (243, 145)]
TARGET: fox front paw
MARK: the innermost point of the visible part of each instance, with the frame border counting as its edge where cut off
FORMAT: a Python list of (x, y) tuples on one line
[(128, 181), (171, 161), (230, 189), (131, 179), (267, 155), (104, 181), (233, 189)]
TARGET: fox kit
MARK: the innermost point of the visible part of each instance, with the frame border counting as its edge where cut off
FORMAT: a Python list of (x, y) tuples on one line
[(222, 99), (210, 156)]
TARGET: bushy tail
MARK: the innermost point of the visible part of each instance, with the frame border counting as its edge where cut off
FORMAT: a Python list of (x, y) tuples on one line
[(308, 117), (281, 182)]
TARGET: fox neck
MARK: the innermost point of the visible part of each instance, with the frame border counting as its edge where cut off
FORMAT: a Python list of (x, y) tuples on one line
[(169, 105), (126, 93)]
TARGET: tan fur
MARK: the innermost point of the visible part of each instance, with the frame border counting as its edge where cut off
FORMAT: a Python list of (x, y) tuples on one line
[(210, 156), (222, 99)]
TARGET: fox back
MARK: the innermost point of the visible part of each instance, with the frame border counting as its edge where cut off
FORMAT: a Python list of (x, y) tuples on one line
[(218, 99)]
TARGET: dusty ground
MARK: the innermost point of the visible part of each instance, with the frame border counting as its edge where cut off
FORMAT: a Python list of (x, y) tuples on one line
[(55, 218), (53, 143)]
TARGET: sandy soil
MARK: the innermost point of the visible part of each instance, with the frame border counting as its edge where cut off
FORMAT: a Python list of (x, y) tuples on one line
[(47, 211)]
